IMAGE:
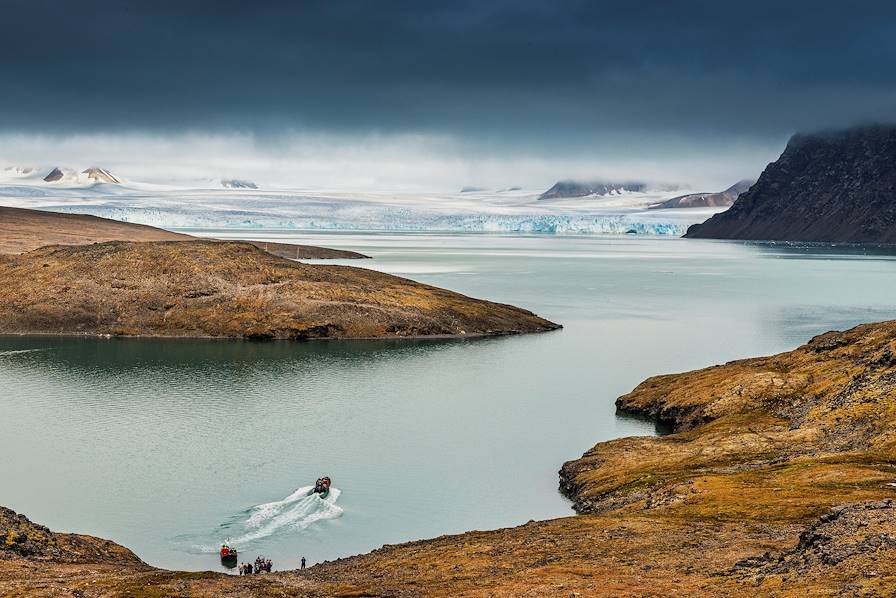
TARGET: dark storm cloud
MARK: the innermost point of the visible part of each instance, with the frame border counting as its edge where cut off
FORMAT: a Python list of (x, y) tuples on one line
[(542, 72)]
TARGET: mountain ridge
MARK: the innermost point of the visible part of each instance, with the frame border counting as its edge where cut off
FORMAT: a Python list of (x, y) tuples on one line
[(571, 188), (706, 200), (832, 186)]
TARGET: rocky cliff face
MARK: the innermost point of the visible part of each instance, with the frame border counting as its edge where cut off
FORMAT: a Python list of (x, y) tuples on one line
[(832, 187)]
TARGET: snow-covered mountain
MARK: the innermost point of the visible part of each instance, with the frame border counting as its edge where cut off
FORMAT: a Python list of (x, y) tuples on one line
[(564, 189), (100, 175), (58, 176)]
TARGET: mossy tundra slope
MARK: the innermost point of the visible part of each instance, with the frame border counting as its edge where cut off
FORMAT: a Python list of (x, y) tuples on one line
[(231, 290)]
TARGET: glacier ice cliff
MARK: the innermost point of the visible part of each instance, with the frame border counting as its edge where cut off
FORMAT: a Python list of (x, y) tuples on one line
[(492, 213)]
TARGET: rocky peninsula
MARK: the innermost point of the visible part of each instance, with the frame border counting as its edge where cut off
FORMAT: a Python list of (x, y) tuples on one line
[(779, 480), (837, 186), (232, 290), (83, 275)]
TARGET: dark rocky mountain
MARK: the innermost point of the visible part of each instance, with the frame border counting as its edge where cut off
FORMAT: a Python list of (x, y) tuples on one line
[(836, 186), (706, 200), (582, 189), (55, 175)]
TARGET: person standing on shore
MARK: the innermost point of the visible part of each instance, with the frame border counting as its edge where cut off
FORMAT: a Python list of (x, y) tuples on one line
[(303, 562)]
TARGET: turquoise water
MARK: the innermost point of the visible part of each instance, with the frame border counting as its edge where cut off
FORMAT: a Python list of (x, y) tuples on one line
[(170, 447)]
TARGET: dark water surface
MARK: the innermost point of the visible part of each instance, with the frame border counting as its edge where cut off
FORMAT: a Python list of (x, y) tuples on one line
[(170, 447)]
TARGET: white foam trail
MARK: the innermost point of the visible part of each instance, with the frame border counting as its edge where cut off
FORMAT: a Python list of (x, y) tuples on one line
[(18, 352), (295, 512)]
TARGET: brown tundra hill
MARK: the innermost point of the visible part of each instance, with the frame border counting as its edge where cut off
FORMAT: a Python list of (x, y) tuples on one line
[(229, 289)]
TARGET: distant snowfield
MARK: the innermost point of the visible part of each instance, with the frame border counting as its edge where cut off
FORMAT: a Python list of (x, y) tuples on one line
[(313, 209)]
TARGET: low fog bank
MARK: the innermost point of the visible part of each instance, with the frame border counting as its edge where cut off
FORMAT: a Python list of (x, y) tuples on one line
[(379, 162)]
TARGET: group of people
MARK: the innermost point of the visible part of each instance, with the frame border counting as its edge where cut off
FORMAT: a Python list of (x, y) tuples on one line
[(261, 566), (322, 485)]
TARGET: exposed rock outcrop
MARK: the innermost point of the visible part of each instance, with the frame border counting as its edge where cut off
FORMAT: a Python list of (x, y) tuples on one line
[(54, 175), (855, 540), (706, 200), (833, 187), (238, 184), (562, 189), (19, 537)]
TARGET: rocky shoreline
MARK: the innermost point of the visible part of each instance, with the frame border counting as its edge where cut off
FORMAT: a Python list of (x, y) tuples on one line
[(779, 480)]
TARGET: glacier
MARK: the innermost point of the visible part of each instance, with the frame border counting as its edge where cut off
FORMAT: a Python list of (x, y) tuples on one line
[(291, 209)]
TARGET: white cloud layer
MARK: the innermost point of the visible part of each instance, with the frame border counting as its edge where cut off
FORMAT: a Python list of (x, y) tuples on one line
[(376, 162)]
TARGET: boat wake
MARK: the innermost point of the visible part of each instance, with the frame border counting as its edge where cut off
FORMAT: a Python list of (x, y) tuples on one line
[(18, 352), (293, 513)]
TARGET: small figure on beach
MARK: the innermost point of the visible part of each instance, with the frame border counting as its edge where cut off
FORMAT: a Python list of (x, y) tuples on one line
[(303, 562)]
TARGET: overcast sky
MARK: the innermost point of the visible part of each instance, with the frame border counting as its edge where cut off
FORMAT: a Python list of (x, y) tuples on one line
[(453, 93)]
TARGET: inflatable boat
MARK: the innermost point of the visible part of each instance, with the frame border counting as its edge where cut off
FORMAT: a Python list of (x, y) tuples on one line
[(228, 556), (322, 486)]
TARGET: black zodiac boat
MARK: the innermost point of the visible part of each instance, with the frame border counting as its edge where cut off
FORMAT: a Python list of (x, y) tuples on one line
[(322, 486)]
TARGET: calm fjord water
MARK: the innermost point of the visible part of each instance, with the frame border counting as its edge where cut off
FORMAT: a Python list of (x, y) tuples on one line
[(170, 447)]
